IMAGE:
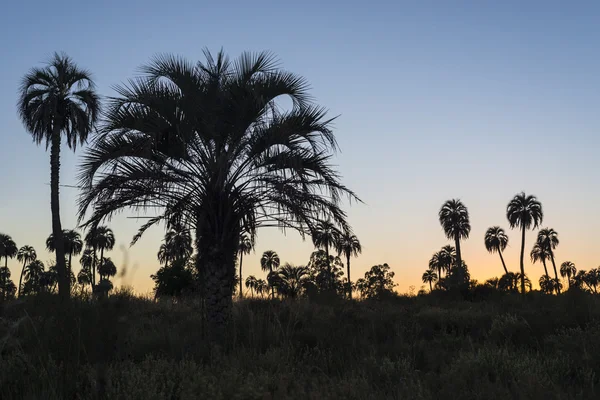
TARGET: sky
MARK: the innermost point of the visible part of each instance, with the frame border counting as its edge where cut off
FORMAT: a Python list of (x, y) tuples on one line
[(476, 100)]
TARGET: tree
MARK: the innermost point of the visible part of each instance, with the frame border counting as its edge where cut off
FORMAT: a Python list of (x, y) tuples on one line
[(173, 280), (429, 276), (539, 253), (269, 262), (8, 248), (348, 245), (548, 240), (251, 282), (326, 236), (323, 271), (72, 243), (107, 269), (378, 282), (496, 240), (26, 255), (592, 278), (7, 286), (547, 284), (454, 218), (33, 277), (245, 247), (261, 287), (568, 270), (207, 144), (510, 282), (176, 246), (292, 280), (447, 257), (58, 99), (99, 238), (524, 212)]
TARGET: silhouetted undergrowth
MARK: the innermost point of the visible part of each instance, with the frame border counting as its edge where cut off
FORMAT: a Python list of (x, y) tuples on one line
[(424, 347)]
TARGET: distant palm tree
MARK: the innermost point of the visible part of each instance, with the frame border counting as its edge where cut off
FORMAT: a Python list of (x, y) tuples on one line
[(8, 249), (454, 218), (429, 276), (251, 282), (325, 236), (72, 242), (348, 245), (548, 239), (87, 260), (291, 279), (107, 269), (261, 287), (539, 253), (547, 284), (436, 264), (58, 99), (269, 262), (593, 278), (447, 258), (99, 238), (568, 270), (26, 255), (245, 247), (524, 212), (580, 279), (177, 245), (33, 277), (496, 240)]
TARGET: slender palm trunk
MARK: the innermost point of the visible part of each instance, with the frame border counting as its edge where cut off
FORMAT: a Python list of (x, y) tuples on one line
[(94, 268), (63, 277), (554, 266), (21, 277), (522, 263), (545, 268), (70, 270), (349, 281), (430, 287), (459, 269), (503, 263), (270, 283), (101, 261), (4, 278), (329, 267), (241, 261)]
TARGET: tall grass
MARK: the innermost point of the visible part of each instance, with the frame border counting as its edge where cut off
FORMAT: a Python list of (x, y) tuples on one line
[(426, 347)]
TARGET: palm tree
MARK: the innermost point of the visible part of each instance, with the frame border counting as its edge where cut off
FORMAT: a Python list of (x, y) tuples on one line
[(539, 253), (496, 240), (291, 279), (99, 238), (348, 245), (58, 99), (107, 269), (524, 212), (325, 236), (447, 257), (436, 264), (568, 269), (269, 262), (177, 245), (261, 287), (72, 242), (26, 255), (547, 284), (454, 218), (245, 247), (548, 239), (8, 249), (251, 282), (206, 144), (33, 277), (429, 276)]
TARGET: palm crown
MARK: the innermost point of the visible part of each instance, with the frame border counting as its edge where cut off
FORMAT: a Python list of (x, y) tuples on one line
[(269, 261), (454, 218), (496, 239), (524, 211), (548, 238)]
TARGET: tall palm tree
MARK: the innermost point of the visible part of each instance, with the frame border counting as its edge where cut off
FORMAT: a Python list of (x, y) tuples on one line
[(58, 99), (245, 247), (454, 218), (539, 253), (251, 282), (548, 239), (33, 277), (72, 243), (177, 245), (207, 144), (26, 255), (325, 236), (291, 279), (269, 262), (348, 245), (429, 276), (8, 249), (568, 270), (496, 240), (524, 212), (99, 238), (447, 258), (436, 264)]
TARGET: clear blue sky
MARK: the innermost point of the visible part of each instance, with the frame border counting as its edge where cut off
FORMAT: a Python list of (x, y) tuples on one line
[(471, 99)]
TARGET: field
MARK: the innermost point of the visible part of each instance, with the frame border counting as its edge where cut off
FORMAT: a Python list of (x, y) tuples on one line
[(426, 347)]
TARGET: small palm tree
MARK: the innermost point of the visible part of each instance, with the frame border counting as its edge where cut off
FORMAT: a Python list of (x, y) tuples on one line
[(33, 277), (58, 99), (568, 270), (524, 212), (72, 242), (325, 236), (269, 262), (547, 284), (429, 276), (245, 247), (548, 240), (291, 279), (539, 253), (454, 218), (107, 269), (261, 287), (99, 238), (496, 240), (26, 255), (251, 284), (177, 245), (447, 258), (8, 249), (348, 245)]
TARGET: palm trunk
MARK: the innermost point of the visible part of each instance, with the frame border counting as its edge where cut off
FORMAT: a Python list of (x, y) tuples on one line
[(522, 263), (219, 284), (270, 284), (545, 268), (21, 278), (70, 270), (555, 273), (503, 263), (329, 267), (94, 268), (459, 269), (63, 278), (241, 261), (430, 287), (349, 281)]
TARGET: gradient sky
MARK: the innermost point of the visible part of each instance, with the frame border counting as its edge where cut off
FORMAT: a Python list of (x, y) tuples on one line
[(476, 100)]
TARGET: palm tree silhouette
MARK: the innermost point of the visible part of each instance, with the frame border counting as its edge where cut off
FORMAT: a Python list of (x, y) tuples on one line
[(524, 212), (291, 279), (213, 149), (325, 236), (454, 218), (496, 240), (568, 270), (58, 99), (270, 262), (348, 245), (33, 277), (72, 243), (447, 258), (436, 264), (251, 282), (26, 255), (547, 284), (429, 276), (245, 247), (107, 269), (99, 238), (8, 249), (539, 253), (548, 239), (177, 245), (261, 287)]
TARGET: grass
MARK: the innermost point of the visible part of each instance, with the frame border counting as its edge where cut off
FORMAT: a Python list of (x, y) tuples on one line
[(426, 347)]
